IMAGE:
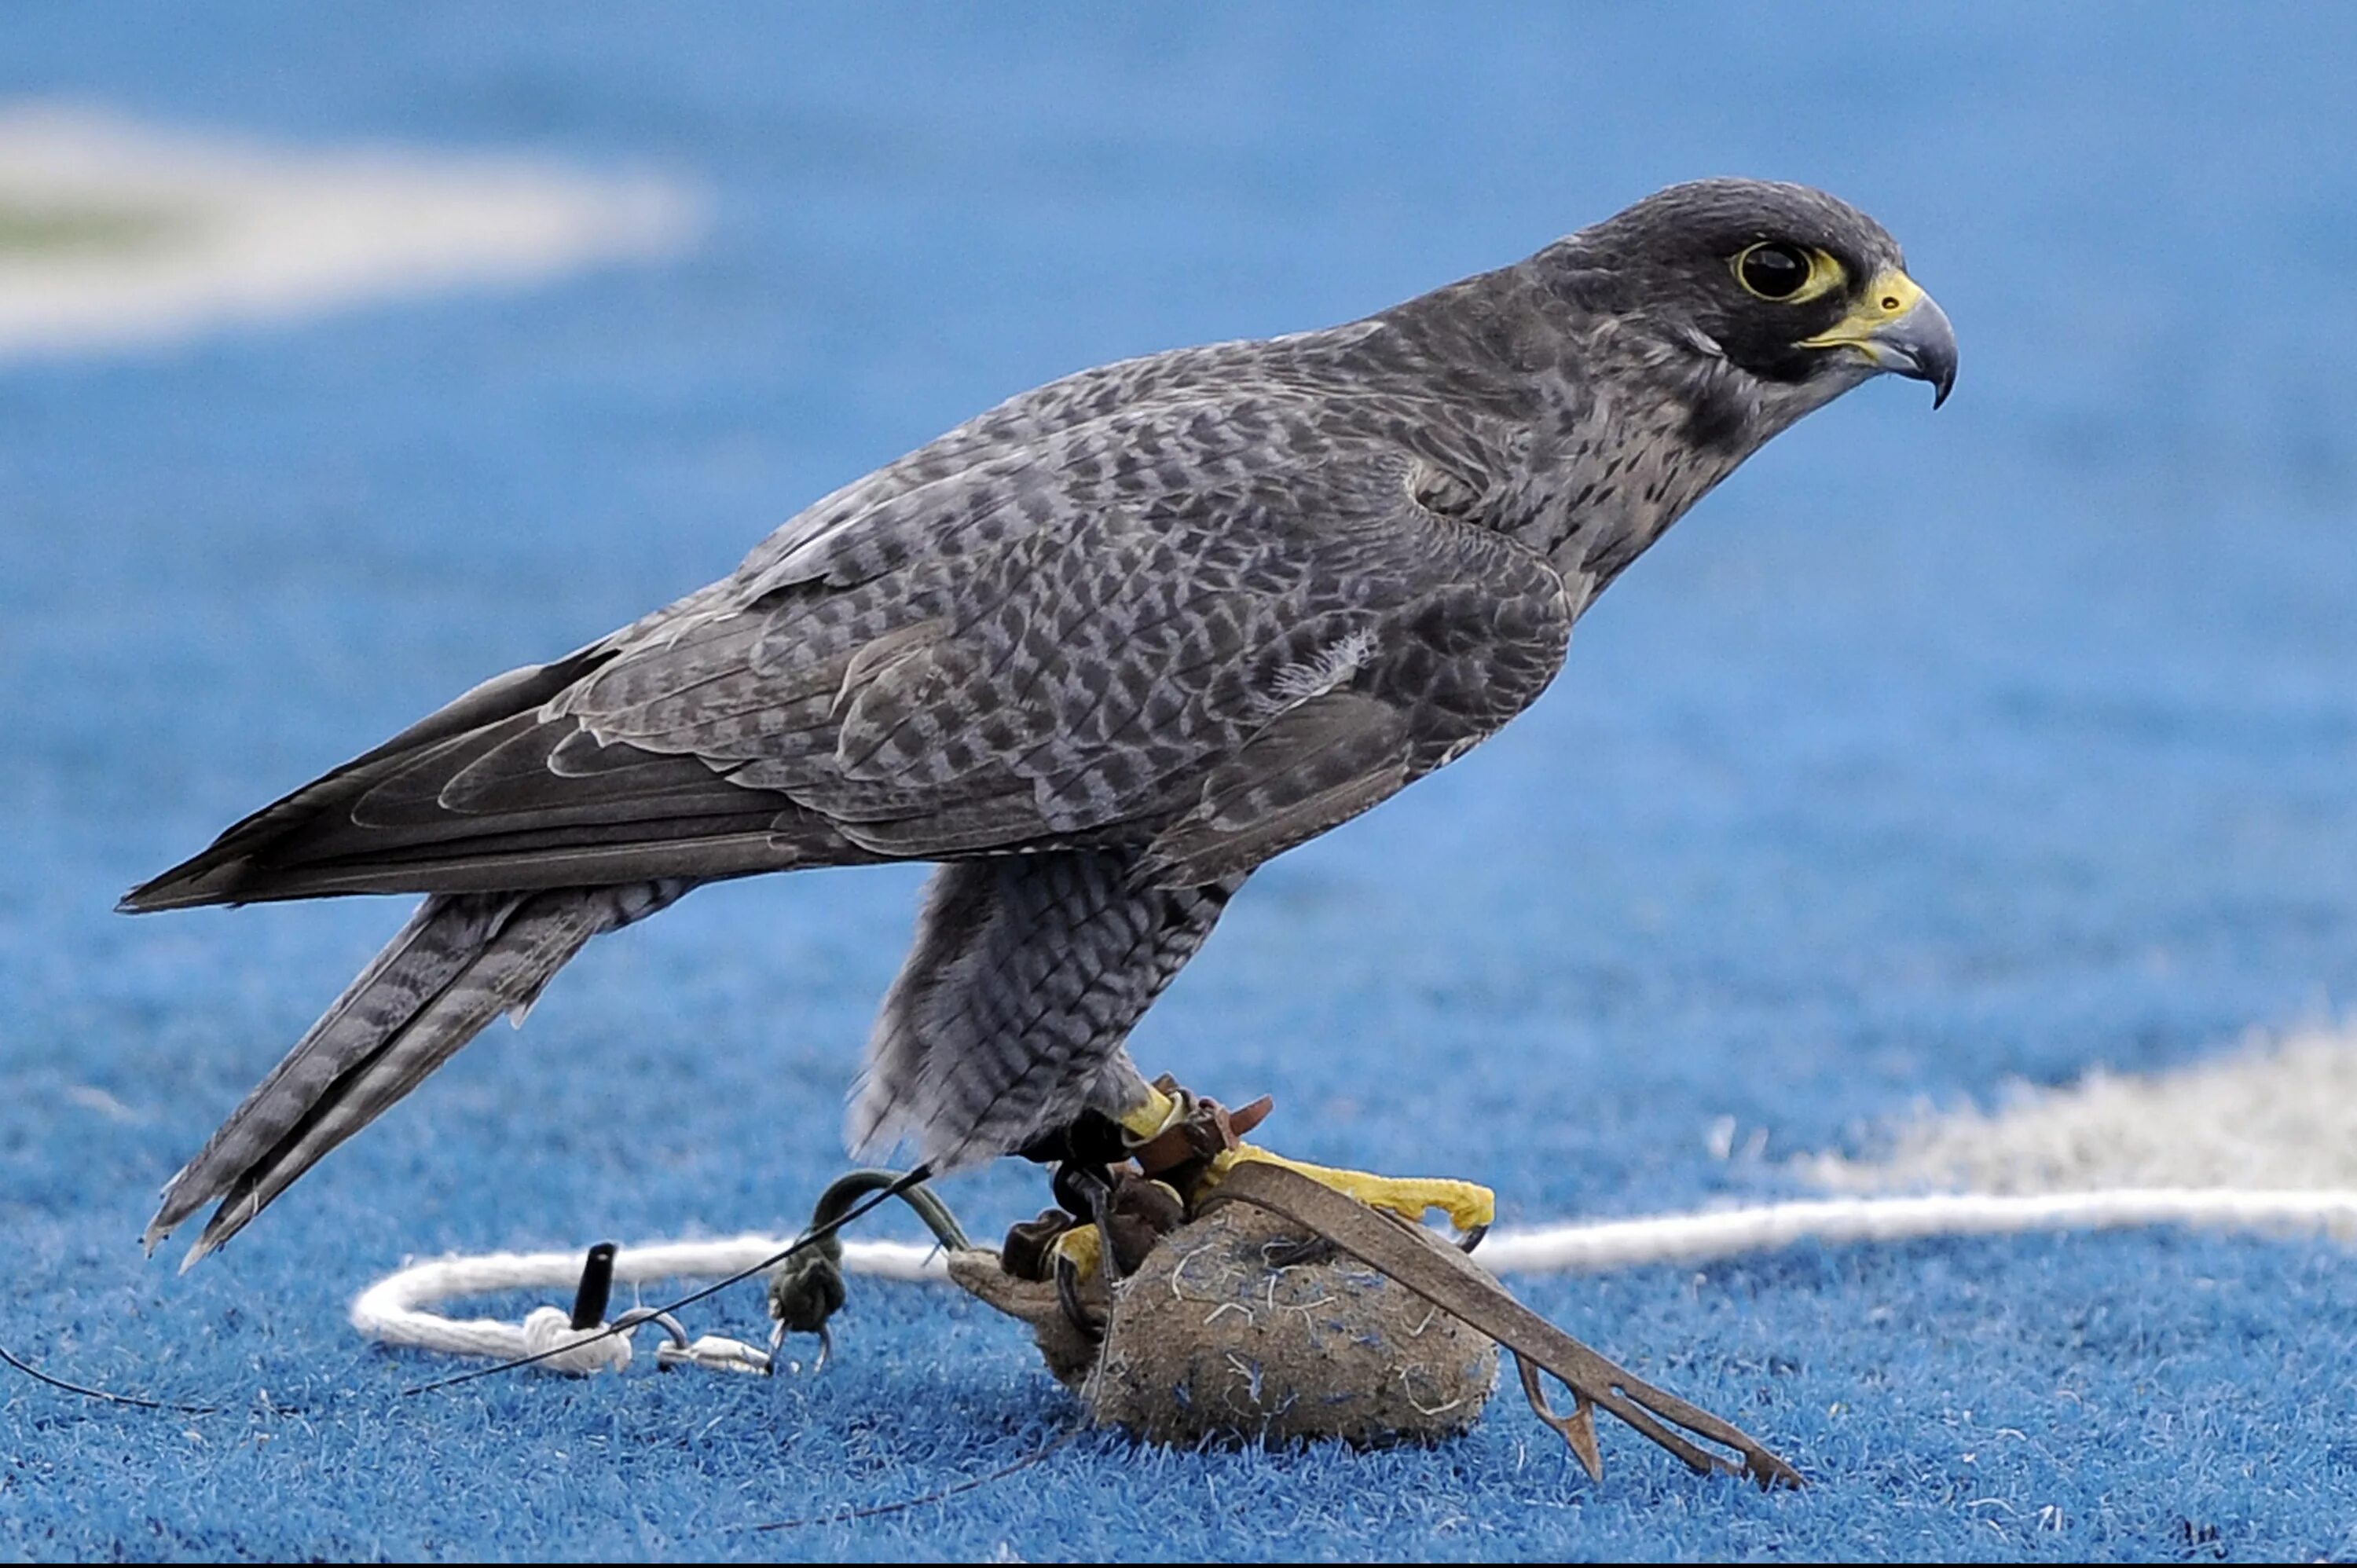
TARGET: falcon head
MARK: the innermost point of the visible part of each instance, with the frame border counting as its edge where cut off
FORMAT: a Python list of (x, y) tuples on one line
[(1792, 296)]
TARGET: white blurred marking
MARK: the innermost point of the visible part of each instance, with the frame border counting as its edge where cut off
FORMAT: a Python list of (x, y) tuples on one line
[(89, 1097), (114, 234), (2276, 1114)]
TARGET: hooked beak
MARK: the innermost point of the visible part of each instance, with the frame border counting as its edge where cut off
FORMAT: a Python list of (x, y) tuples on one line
[(1900, 328)]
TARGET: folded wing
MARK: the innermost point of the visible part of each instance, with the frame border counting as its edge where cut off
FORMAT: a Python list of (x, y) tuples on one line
[(1068, 646)]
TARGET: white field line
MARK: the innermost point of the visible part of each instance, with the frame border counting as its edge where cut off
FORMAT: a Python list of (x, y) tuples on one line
[(218, 231), (2273, 1114)]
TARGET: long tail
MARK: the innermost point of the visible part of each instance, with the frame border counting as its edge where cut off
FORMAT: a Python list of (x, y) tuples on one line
[(463, 959)]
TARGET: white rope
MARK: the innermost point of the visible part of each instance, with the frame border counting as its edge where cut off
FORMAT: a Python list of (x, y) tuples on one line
[(394, 1309), (1726, 1233), (549, 1331)]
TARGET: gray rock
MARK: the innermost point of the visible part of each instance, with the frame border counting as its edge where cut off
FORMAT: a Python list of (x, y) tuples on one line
[(1209, 1341)]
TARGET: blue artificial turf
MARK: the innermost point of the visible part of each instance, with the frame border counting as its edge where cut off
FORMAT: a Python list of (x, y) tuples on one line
[(1929, 753)]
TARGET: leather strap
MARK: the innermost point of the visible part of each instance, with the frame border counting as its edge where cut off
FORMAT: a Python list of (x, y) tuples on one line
[(1423, 1262)]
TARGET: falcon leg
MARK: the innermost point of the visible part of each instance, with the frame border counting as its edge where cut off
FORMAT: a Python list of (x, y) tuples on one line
[(1161, 1124), (1136, 1165)]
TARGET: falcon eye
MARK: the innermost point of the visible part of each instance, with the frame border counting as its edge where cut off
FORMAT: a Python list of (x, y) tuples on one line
[(1773, 270)]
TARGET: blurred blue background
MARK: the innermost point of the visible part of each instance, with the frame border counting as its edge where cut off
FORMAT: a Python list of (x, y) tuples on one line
[(1930, 752)]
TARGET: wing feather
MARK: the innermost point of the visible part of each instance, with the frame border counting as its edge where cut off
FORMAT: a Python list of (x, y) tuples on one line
[(1215, 627), (1314, 766)]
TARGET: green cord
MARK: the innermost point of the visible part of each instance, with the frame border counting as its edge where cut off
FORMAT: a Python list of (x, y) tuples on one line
[(808, 1288), (853, 1185)]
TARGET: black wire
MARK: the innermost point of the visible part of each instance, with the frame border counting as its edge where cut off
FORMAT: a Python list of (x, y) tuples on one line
[(848, 1516), (897, 1188), (915, 1178), (40, 1376)]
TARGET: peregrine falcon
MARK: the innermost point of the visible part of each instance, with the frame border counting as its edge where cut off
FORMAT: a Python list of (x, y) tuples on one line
[(1099, 653)]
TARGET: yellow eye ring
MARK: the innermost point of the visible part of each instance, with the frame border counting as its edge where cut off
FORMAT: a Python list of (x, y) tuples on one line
[(1786, 275)]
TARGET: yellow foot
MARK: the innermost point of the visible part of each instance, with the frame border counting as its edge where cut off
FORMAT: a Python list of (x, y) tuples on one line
[(1468, 1205), (1155, 1116), (1083, 1248)]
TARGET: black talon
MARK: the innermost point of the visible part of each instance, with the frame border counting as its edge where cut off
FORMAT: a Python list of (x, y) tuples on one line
[(1087, 1324), (1079, 1189), (1088, 1193), (1138, 1213)]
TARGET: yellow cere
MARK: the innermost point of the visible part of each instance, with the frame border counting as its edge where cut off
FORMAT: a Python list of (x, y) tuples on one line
[(1890, 295)]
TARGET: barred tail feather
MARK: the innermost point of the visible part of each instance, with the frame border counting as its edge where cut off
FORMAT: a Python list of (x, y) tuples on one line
[(461, 961)]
